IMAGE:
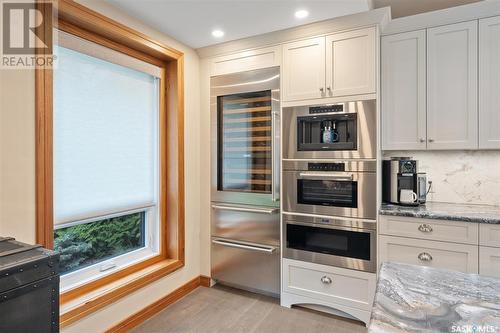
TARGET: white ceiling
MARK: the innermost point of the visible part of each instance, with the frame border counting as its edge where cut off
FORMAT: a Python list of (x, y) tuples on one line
[(192, 21), (401, 8)]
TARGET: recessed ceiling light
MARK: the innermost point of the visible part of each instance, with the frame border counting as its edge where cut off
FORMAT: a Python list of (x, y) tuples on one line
[(217, 33), (301, 13)]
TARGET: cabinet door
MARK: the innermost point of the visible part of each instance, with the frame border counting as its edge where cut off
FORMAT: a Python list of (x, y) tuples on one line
[(351, 63), (246, 61), (403, 91), (489, 83), (489, 261), (303, 74), (452, 115)]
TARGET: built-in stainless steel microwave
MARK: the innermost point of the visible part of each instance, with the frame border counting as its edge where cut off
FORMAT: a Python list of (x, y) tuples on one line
[(340, 188), (340, 242), (342, 130)]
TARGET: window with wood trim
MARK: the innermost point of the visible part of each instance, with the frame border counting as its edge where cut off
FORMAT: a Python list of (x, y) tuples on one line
[(109, 167), (106, 160)]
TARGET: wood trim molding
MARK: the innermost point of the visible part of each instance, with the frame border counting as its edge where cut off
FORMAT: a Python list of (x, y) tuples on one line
[(88, 19), (88, 24), (152, 309), (43, 144), (205, 281)]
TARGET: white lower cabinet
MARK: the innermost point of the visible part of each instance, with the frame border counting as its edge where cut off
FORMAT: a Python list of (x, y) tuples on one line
[(345, 290), (458, 257), (489, 261), (489, 235), (489, 250)]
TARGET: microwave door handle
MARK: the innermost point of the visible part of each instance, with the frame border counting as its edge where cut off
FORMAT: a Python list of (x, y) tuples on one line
[(344, 177)]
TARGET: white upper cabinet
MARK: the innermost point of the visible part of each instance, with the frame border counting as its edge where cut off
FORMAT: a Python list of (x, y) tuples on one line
[(452, 113), (246, 61), (489, 83), (351, 63), (403, 92), (347, 66), (303, 73)]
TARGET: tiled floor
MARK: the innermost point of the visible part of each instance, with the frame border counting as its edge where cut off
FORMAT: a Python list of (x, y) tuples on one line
[(221, 309)]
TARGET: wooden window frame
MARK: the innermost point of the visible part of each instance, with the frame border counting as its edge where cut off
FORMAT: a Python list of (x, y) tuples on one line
[(83, 22)]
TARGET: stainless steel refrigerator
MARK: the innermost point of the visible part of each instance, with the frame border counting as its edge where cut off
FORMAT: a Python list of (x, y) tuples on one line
[(245, 223)]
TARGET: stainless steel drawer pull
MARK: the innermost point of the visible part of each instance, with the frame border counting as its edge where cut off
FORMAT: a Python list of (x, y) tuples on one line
[(425, 227), (244, 209), (424, 256), (267, 249), (326, 280)]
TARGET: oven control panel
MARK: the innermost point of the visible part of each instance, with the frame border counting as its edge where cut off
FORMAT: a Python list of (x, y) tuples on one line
[(326, 166), (326, 109)]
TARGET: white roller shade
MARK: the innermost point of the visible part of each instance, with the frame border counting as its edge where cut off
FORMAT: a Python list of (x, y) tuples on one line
[(84, 46), (105, 137)]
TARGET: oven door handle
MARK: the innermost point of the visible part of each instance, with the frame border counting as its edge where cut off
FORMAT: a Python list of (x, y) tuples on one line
[(260, 248), (335, 176)]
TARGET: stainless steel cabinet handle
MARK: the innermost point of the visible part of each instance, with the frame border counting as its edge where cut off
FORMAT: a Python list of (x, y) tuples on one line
[(249, 210), (425, 227), (326, 280), (326, 175), (328, 88), (321, 89), (431, 140), (424, 256), (266, 249), (422, 140)]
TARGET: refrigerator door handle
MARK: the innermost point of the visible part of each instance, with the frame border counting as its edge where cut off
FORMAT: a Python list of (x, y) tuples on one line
[(259, 248), (275, 150), (249, 210)]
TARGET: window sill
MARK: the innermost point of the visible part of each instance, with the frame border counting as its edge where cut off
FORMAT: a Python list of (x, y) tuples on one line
[(82, 305)]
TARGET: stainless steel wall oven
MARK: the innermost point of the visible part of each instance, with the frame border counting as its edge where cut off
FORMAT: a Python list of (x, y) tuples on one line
[(341, 188), (347, 243)]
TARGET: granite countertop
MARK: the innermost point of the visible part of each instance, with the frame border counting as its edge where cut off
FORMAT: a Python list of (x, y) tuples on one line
[(422, 299), (446, 211)]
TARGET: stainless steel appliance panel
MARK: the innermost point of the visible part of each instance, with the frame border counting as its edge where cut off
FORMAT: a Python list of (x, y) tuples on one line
[(361, 203), (365, 113), (256, 81), (246, 223), (249, 266), (338, 234)]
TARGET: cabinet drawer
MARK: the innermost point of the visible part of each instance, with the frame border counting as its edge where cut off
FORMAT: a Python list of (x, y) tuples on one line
[(489, 261), (459, 257), (331, 284), (489, 235), (429, 229)]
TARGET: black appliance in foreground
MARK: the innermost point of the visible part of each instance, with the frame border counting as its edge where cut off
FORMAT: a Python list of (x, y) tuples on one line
[(29, 288)]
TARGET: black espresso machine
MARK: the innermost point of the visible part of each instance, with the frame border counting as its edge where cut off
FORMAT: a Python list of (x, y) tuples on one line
[(402, 184)]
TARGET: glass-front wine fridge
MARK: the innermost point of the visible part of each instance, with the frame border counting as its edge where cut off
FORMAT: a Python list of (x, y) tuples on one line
[(245, 137), (245, 219)]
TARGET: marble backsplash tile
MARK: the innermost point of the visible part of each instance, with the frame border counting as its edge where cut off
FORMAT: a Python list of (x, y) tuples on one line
[(460, 176)]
